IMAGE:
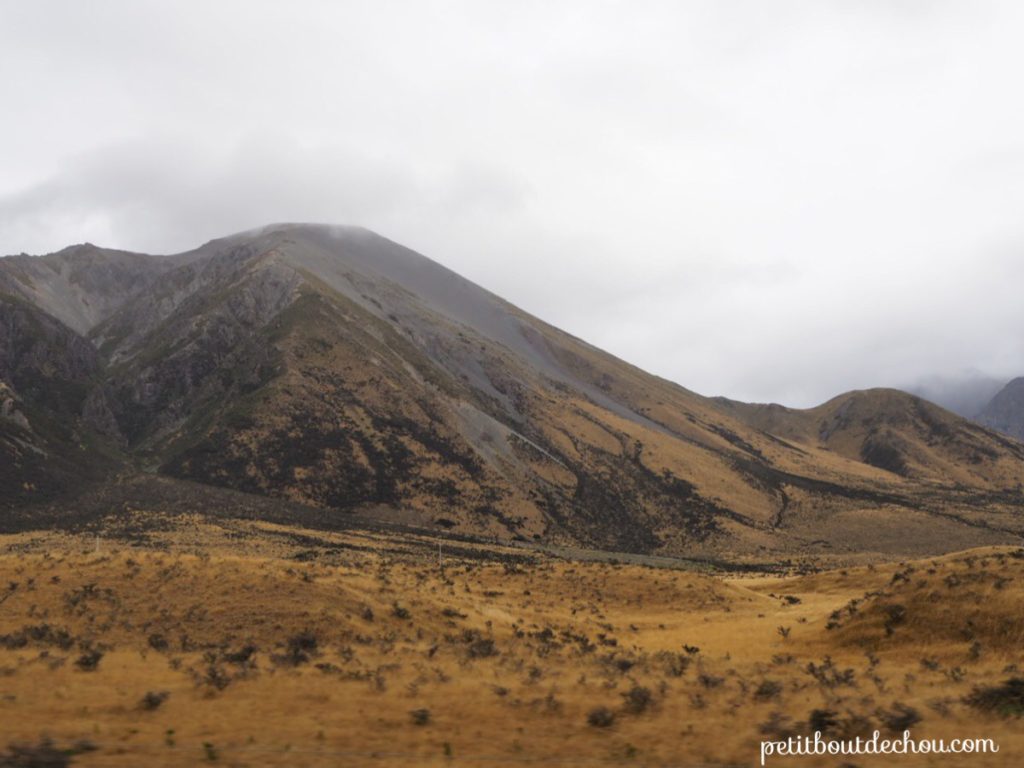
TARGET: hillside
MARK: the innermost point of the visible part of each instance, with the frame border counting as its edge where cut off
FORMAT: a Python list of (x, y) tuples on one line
[(897, 433), (333, 369), (1005, 411)]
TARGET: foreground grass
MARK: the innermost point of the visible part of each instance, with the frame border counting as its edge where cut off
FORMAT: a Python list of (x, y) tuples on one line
[(258, 645)]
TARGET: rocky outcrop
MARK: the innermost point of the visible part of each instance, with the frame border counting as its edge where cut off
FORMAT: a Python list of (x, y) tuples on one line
[(46, 374), (82, 284), (9, 407)]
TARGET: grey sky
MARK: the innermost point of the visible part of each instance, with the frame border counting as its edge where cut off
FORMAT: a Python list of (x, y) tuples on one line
[(768, 200)]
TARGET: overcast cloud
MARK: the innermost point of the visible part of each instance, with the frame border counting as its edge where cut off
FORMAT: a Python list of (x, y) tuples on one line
[(775, 201)]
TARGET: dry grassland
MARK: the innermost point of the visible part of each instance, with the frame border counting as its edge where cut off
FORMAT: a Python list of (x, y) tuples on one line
[(249, 644)]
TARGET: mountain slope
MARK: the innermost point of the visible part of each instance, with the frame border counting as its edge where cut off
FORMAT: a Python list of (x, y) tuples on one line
[(46, 376), (1005, 411), (895, 432), (331, 367), (81, 284)]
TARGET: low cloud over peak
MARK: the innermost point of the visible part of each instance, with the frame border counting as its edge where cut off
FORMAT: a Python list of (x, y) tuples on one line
[(771, 203)]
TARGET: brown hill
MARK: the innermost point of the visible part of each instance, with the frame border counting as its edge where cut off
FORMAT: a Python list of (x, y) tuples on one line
[(895, 432), (333, 368)]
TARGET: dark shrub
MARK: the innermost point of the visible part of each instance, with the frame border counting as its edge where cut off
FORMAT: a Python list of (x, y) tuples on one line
[(710, 681), (895, 615), (1005, 699), (153, 699), (482, 648), (43, 755), (900, 718), (299, 649), (242, 655), (43, 634), (601, 717), (822, 721), (768, 689), (216, 677), (638, 699), (420, 716), (89, 661)]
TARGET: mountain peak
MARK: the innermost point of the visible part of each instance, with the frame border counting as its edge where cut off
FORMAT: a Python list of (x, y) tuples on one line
[(331, 367), (1005, 411)]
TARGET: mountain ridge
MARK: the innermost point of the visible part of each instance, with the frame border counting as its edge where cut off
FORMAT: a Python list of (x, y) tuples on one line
[(335, 368), (1005, 411)]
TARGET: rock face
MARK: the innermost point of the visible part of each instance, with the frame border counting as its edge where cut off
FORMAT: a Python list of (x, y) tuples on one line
[(331, 367), (81, 284), (1005, 411), (46, 374)]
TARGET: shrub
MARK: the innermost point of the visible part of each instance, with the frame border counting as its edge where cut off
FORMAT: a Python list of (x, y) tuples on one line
[(216, 677), (241, 656), (482, 648), (43, 755), (300, 648), (153, 699), (768, 689), (822, 721), (710, 681), (675, 663), (600, 717), (638, 699), (777, 727), (895, 615), (479, 647), (89, 661), (420, 716), (1005, 699), (829, 675), (43, 634), (900, 718)]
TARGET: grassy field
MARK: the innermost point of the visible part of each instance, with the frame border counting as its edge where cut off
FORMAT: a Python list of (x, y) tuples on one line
[(249, 644)]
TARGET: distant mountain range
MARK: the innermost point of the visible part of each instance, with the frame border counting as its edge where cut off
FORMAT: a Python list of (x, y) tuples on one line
[(1005, 411), (966, 394), (331, 370), (991, 402)]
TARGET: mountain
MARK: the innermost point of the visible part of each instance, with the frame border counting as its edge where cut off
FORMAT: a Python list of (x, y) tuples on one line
[(46, 373), (965, 394), (1005, 411), (339, 372), (895, 432)]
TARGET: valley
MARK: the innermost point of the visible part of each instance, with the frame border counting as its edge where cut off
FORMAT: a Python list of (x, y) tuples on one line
[(185, 641)]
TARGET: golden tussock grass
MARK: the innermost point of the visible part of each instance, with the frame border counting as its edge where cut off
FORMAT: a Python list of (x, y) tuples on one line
[(253, 644)]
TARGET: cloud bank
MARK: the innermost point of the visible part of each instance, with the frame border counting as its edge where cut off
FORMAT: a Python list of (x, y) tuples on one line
[(775, 202)]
